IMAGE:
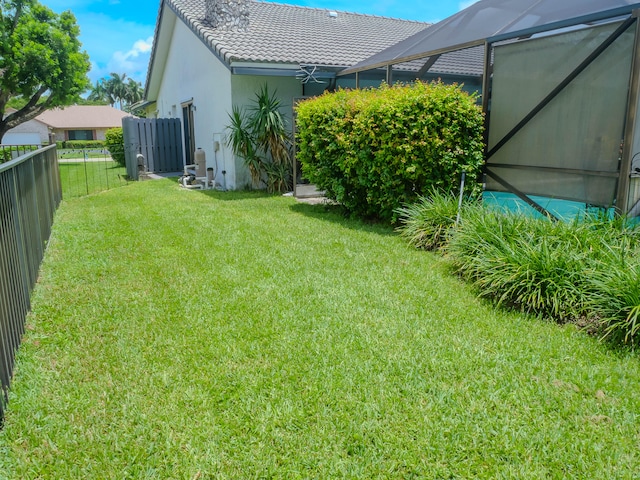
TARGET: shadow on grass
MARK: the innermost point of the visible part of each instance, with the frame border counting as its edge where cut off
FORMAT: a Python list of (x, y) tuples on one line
[(235, 195), (337, 214)]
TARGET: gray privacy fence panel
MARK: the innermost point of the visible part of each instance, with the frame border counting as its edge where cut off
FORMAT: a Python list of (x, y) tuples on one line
[(159, 140), (30, 192)]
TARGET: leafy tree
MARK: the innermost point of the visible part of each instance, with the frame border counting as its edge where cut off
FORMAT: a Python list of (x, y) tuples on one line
[(40, 60)]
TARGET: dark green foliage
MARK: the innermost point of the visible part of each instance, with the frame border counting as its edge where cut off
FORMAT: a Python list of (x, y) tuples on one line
[(615, 284), (114, 141), (586, 268), (585, 271), (81, 144), (374, 151), (40, 59), (532, 264)]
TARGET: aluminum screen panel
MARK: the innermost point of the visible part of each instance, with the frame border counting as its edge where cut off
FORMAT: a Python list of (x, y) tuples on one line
[(571, 148)]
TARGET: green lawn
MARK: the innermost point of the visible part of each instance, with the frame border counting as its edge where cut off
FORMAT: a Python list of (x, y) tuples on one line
[(84, 178), (197, 335)]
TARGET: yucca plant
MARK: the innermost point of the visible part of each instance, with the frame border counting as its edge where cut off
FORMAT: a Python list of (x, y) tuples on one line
[(269, 127), (260, 136), (427, 223), (243, 144)]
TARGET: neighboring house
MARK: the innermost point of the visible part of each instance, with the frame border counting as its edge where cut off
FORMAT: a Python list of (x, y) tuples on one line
[(197, 72), (32, 132), (81, 122)]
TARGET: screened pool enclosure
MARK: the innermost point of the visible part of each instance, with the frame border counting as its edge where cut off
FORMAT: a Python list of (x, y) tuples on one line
[(560, 91)]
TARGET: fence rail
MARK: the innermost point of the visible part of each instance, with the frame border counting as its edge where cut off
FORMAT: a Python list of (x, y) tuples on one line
[(87, 171), (30, 192), (9, 152)]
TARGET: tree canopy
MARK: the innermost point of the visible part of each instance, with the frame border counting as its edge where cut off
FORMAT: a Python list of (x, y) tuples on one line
[(40, 60)]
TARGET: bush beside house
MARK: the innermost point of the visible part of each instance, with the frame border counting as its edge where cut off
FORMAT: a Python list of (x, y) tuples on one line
[(115, 144), (378, 149)]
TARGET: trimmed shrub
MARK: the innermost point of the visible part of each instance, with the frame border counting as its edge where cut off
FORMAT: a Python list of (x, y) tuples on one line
[(375, 150), (114, 141), (83, 144)]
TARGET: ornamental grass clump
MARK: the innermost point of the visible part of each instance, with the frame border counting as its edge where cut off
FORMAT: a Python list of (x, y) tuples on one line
[(614, 284), (428, 223), (616, 299), (585, 271), (533, 264)]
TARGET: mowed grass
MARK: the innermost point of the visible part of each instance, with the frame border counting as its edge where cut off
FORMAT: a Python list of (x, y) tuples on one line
[(201, 335), (88, 177)]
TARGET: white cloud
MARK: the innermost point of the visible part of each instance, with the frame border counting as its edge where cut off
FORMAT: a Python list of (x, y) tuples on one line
[(133, 62), (139, 47)]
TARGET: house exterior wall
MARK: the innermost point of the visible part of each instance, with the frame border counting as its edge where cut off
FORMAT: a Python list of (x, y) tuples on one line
[(193, 74), (61, 135)]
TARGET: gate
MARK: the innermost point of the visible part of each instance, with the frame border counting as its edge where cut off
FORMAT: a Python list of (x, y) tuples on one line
[(159, 140)]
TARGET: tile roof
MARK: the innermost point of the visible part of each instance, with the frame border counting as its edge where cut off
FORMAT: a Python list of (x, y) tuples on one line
[(83, 116), (467, 62), (280, 33)]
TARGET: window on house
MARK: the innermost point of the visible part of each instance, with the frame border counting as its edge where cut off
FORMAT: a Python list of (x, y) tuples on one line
[(81, 135)]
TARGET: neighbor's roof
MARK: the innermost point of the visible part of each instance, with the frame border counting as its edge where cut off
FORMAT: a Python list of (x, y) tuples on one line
[(291, 34), (83, 116), (496, 20)]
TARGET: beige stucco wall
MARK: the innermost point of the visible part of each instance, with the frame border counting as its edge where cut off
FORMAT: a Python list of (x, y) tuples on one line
[(99, 134)]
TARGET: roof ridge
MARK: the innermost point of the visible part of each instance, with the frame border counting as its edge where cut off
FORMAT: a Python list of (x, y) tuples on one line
[(342, 11)]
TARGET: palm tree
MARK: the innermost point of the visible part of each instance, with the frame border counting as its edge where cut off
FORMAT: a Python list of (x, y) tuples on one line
[(133, 93), (100, 94), (116, 87)]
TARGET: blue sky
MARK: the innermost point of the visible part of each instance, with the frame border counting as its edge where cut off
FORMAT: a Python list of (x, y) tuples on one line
[(118, 34)]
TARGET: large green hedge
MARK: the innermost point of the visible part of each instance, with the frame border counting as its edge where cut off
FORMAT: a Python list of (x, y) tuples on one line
[(80, 144), (375, 150)]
